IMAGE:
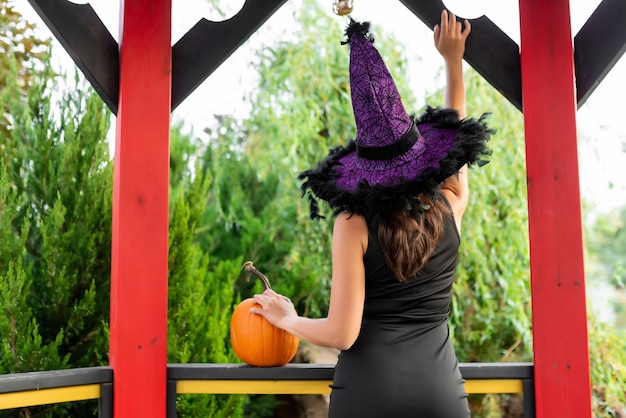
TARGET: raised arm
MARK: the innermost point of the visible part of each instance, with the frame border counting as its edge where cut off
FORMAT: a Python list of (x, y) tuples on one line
[(450, 37)]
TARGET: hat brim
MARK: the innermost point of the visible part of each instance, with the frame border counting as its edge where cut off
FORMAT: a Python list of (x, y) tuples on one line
[(352, 184)]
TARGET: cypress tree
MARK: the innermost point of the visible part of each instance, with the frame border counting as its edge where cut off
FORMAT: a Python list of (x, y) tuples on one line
[(56, 220), (201, 284)]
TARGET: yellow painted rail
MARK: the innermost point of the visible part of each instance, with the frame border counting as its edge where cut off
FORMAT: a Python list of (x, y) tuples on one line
[(49, 396), (303, 387)]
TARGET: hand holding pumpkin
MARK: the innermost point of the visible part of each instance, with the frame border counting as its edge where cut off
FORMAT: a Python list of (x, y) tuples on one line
[(274, 307)]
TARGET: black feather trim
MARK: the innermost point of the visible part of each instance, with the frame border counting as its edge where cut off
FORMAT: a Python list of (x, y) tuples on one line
[(379, 201), (358, 28)]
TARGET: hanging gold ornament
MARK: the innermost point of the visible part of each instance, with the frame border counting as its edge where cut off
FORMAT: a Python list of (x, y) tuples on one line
[(342, 7)]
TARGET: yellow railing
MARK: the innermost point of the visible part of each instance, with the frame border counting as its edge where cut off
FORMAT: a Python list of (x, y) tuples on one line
[(310, 387)]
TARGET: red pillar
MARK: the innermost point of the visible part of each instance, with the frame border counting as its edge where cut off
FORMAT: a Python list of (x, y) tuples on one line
[(561, 355), (138, 348)]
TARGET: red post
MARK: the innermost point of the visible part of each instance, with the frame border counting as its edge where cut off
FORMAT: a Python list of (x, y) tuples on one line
[(561, 354), (138, 348)]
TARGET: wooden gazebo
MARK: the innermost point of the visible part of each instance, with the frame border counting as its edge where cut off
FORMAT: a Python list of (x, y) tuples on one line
[(144, 78)]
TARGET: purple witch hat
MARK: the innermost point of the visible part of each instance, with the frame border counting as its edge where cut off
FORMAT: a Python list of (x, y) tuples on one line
[(395, 157)]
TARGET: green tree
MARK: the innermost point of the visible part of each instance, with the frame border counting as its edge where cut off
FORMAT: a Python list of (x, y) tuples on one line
[(19, 43), (605, 241), (201, 284), (55, 239), (607, 352), (21, 345), (55, 259), (21, 52)]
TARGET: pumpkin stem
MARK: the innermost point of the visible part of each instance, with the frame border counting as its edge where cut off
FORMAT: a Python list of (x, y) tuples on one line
[(250, 268)]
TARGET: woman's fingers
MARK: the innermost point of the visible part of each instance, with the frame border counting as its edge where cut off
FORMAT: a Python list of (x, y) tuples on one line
[(452, 23), (449, 25), (444, 21), (467, 29), (260, 299), (273, 307), (268, 295)]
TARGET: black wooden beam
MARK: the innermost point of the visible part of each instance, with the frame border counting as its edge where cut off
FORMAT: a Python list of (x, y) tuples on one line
[(598, 46), (20, 382), (488, 50), (208, 44), (88, 42), (105, 403), (305, 371)]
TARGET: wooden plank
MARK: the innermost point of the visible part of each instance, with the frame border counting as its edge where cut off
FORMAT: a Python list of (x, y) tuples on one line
[(208, 44), (88, 42), (561, 358), (138, 348), (598, 46), (19, 382)]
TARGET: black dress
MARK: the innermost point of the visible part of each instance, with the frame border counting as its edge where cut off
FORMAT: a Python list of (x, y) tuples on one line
[(403, 363)]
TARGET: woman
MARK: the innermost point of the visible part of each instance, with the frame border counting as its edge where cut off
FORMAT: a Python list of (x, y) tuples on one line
[(399, 192)]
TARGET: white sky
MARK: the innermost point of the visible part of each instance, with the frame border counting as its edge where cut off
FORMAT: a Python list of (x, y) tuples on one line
[(597, 119)]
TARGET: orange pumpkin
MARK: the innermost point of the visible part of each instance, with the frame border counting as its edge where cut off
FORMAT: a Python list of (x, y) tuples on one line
[(254, 339)]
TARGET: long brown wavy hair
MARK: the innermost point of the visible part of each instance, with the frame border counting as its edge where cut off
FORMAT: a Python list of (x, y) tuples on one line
[(408, 242)]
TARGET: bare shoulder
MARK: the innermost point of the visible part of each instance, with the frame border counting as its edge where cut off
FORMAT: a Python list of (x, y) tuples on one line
[(351, 228), (456, 191), (351, 224)]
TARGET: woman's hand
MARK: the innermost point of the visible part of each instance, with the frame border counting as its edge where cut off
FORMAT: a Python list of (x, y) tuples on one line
[(450, 37), (277, 309)]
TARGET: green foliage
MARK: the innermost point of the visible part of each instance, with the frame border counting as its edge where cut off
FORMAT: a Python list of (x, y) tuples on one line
[(56, 217), (21, 53), (493, 272), (607, 351), (200, 293), (19, 42), (53, 245), (21, 345), (65, 180), (605, 240)]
